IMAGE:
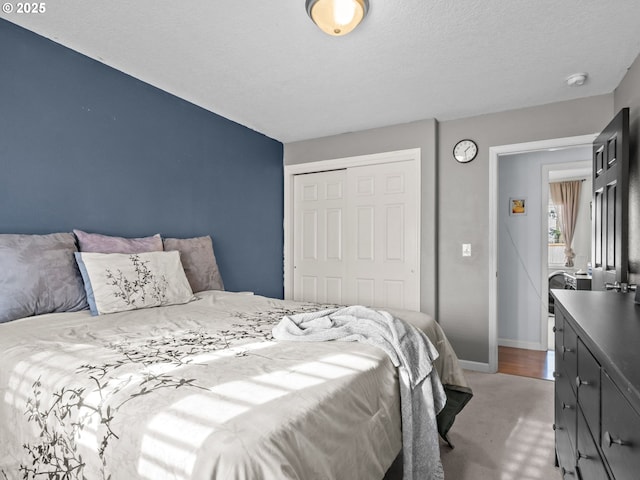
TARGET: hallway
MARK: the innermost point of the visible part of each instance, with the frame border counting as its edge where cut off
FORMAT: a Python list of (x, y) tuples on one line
[(526, 363)]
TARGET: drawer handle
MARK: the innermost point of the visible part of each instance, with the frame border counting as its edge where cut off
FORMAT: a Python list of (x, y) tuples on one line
[(609, 440), (566, 406), (566, 349), (580, 382), (565, 472)]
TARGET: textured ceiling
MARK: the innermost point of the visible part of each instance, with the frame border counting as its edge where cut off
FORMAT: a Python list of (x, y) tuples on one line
[(264, 64)]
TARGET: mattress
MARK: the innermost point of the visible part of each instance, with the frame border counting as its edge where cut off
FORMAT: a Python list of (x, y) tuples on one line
[(198, 391)]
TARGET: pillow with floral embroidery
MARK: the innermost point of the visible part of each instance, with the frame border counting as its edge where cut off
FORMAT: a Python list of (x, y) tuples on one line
[(116, 282)]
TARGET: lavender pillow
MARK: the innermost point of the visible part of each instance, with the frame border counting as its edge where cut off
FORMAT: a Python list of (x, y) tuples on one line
[(96, 243), (38, 275), (199, 262)]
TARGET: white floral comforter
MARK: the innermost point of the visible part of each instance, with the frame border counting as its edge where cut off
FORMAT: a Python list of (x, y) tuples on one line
[(196, 391)]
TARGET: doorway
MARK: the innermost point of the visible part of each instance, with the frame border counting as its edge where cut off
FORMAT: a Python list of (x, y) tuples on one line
[(528, 243), (556, 268)]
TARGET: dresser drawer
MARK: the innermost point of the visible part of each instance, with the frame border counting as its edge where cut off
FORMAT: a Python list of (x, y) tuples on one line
[(558, 330), (569, 353), (565, 409), (564, 448), (620, 439), (588, 385), (588, 459)]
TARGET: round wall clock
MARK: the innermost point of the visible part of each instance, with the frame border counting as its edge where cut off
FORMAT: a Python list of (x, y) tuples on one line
[(465, 151)]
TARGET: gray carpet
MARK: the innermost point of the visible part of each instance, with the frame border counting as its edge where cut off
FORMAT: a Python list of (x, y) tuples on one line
[(505, 432)]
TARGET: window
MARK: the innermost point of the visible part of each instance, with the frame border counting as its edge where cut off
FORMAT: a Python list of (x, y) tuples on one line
[(555, 239), (555, 235)]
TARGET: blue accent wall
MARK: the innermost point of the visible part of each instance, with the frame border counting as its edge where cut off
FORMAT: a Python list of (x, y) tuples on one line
[(85, 146)]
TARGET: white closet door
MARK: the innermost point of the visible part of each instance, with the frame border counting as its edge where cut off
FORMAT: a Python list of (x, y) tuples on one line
[(319, 219), (383, 236), (357, 236)]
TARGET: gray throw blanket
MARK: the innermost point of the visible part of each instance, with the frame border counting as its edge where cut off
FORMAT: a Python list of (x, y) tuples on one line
[(421, 393)]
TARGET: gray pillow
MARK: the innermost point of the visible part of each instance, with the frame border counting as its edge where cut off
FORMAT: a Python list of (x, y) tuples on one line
[(97, 243), (199, 262), (38, 274)]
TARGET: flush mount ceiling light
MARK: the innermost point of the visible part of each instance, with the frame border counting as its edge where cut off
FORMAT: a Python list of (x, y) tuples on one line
[(577, 79), (337, 17)]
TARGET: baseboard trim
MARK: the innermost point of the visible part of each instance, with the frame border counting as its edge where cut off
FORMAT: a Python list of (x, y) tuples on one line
[(476, 366), (506, 342)]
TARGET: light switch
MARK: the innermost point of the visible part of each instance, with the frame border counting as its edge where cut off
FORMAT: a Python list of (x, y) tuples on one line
[(466, 249)]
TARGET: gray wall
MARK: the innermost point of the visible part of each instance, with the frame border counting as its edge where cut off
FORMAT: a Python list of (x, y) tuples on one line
[(464, 207), (423, 135), (455, 199), (628, 95)]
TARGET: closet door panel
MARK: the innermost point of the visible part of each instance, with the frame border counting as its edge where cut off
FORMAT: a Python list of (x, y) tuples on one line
[(365, 233), (394, 230), (383, 250), (319, 222)]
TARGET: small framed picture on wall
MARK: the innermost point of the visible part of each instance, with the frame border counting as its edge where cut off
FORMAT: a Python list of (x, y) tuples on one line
[(518, 206)]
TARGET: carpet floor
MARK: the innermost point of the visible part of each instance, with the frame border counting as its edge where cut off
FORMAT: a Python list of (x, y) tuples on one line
[(505, 432)]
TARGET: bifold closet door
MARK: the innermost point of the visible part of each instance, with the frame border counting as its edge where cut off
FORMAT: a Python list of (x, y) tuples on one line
[(319, 223), (356, 236), (383, 236)]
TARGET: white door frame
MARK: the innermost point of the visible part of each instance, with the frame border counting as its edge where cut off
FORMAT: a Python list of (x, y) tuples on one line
[(494, 154), (412, 154)]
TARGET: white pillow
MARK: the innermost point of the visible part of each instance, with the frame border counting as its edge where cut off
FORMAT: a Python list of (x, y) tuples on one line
[(116, 282)]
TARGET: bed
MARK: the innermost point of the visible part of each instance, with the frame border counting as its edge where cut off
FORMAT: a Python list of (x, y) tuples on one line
[(200, 390)]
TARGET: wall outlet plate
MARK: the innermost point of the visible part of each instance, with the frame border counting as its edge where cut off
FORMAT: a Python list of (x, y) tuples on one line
[(466, 249)]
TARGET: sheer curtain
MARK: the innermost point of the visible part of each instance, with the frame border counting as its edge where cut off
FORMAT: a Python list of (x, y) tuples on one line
[(566, 196)]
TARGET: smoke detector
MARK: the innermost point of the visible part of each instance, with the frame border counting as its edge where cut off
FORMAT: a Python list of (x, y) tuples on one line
[(577, 79)]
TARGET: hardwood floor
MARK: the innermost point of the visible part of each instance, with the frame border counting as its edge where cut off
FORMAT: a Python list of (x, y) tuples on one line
[(526, 363)]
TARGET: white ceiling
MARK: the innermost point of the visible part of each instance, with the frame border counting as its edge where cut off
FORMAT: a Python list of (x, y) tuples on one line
[(264, 64)]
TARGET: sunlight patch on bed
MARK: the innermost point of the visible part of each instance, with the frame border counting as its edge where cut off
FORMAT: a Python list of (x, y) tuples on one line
[(152, 471), (195, 417), (207, 357), (314, 373), (249, 391), (529, 444), (93, 410), (173, 437), (290, 380), (160, 460), (90, 437), (230, 352), (51, 368), (336, 366), (164, 368), (165, 459)]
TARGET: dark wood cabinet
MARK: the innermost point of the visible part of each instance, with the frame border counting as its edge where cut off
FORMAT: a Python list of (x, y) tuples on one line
[(597, 385)]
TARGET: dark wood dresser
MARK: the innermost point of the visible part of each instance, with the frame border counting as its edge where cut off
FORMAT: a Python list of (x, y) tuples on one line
[(597, 385)]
